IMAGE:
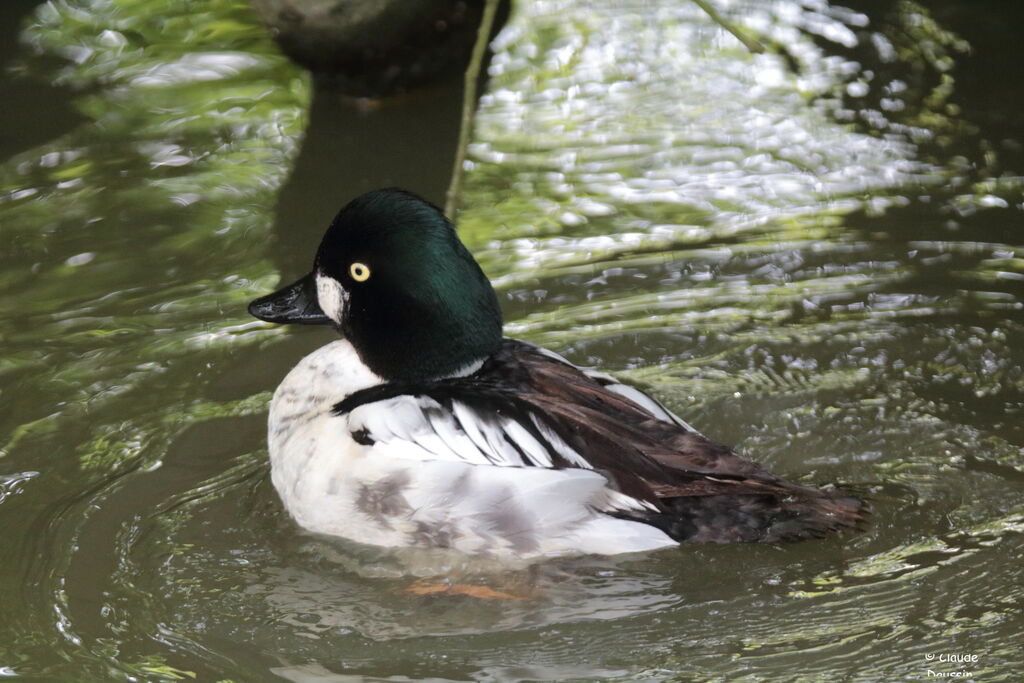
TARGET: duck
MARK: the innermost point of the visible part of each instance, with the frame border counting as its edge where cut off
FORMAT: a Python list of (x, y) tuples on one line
[(423, 426)]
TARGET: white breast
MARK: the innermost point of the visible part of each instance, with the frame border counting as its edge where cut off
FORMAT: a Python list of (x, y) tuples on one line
[(311, 451), (397, 496)]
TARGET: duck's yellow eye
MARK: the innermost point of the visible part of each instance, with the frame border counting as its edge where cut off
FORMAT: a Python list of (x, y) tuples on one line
[(360, 272)]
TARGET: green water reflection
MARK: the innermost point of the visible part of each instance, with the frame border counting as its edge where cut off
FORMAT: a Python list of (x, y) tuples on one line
[(814, 254)]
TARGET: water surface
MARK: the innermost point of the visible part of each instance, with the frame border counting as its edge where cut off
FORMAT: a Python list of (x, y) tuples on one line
[(813, 254)]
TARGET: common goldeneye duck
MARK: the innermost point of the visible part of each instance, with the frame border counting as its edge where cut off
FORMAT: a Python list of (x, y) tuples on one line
[(424, 427)]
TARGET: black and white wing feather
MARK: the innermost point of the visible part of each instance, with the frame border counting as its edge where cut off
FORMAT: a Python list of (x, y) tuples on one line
[(528, 407)]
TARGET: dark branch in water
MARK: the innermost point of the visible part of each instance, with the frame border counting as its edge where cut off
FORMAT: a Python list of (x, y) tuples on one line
[(752, 44), (483, 34)]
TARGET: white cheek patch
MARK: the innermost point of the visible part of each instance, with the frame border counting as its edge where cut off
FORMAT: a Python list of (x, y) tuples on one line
[(332, 297)]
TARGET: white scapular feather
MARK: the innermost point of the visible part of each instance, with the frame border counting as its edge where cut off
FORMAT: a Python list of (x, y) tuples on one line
[(563, 449), (649, 404), (536, 453)]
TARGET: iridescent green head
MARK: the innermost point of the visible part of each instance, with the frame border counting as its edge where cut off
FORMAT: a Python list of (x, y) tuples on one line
[(392, 276)]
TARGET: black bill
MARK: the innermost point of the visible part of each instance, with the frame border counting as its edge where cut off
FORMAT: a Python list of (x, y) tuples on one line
[(295, 303)]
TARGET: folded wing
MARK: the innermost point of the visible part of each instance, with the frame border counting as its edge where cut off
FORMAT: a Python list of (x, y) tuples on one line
[(527, 407)]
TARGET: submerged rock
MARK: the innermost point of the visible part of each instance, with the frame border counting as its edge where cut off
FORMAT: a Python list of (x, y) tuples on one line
[(374, 47)]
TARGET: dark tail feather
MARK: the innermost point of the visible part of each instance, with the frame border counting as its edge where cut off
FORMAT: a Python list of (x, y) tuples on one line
[(761, 517)]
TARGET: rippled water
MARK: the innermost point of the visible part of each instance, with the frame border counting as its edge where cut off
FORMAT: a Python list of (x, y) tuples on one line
[(814, 254)]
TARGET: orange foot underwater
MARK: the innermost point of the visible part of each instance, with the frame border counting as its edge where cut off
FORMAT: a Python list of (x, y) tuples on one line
[(427, 587)]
